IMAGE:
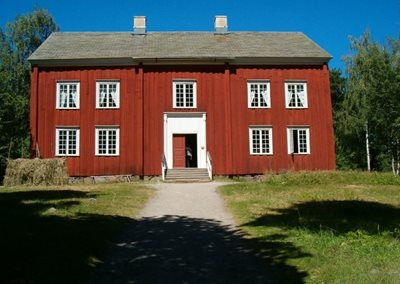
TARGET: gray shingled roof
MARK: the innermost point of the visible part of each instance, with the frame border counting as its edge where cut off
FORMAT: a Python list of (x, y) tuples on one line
[(234, 46)]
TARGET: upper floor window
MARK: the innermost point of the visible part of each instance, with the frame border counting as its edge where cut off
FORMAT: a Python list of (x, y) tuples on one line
[(107, 141), (296, 94), (67, 141), (258, 94), (67, 95), (184, 94), (260, 140), (298, 140), (107, 94)]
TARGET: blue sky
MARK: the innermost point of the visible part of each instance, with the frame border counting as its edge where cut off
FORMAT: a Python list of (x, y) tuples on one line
[(329, 23)]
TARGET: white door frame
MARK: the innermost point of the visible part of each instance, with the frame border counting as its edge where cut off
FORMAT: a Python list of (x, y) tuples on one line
[(185, 123)]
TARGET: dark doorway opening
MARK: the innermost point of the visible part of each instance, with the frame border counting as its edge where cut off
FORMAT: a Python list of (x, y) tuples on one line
[(191, 145)]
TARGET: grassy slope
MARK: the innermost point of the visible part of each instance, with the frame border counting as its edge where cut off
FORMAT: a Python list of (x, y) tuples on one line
[(57, 234), (323, 227)]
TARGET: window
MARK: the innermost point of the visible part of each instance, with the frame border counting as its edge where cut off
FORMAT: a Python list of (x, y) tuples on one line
[(67, 142), (184, 94), (67, 95), (298, 140), (107, 94), (107, 141), (296, 94), (258, 94), (260, 141)]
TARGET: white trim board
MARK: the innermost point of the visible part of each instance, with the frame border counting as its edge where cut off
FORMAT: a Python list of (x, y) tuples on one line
[(185, 123)]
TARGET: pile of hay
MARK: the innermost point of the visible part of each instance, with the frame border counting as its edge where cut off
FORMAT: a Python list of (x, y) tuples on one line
[(36, 172)]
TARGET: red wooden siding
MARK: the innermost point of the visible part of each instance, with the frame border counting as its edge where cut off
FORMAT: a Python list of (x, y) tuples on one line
[(146, 93), (128, 118)]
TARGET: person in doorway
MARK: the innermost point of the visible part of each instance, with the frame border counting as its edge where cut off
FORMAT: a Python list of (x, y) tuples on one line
[(189, 156)]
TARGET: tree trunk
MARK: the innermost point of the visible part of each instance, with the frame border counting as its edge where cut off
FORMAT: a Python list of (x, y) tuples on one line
[(367, 145), (393, 167)]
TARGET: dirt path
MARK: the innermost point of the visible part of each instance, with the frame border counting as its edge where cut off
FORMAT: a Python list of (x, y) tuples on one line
[(183, 235)]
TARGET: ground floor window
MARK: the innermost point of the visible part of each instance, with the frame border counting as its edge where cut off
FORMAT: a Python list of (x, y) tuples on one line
[(67, 141), (107, 141), (260, 140), (298, 140)]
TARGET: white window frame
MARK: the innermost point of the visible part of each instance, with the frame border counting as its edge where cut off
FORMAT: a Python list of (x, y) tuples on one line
[(288, 96), (185, 82), (258, 83), (290, 140), (58, 95), (107, 128), (117, 95), (251, 144), (68, 129)]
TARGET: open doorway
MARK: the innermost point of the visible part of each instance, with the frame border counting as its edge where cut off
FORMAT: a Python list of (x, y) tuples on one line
[(191, 145)]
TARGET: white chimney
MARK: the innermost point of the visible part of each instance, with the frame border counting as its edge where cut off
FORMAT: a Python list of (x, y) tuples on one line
[(139, 25), (221, 24)]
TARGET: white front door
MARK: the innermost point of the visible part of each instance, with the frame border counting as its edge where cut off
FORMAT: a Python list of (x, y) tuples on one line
[(185, 123)]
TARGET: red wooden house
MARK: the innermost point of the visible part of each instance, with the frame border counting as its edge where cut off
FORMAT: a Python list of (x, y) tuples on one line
[(122, 103)]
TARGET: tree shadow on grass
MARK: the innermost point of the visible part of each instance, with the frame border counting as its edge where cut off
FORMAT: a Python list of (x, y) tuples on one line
[(177, 249), (338, 217), (37, 248)]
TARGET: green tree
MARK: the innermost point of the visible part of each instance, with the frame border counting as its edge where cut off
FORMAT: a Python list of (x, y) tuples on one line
[(370, 108), (17, 42), (349, 154)]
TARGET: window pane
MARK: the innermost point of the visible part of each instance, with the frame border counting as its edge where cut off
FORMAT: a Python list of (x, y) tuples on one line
[(67, 143), (72, 142), (254, 95), (189, 94), (302, 141), (68, 95), (179, 95), (256, 141), (112, 92), (62, 142), (184, 94), (292, 95), (107, 141), (263, 95), (265, 141), (108, 95), (72, 96), (63, 96), (296, 95), (102, 142), (112, 142)]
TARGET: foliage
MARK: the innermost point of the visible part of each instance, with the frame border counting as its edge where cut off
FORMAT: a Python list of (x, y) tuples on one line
[(345, 225), (369, 102), (349, 154), (17, 42)]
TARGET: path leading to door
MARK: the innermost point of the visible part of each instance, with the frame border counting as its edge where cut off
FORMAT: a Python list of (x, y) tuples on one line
[(194, 200), (183, 235)]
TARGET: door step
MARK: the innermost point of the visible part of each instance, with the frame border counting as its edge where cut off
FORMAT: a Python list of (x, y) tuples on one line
[(187, 175)]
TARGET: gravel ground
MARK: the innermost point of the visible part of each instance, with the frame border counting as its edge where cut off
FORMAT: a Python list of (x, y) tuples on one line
[(183, 235), (196, 200)]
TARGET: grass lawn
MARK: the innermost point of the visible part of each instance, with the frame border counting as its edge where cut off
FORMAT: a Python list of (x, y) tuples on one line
[(339, 227), (58, 234)]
